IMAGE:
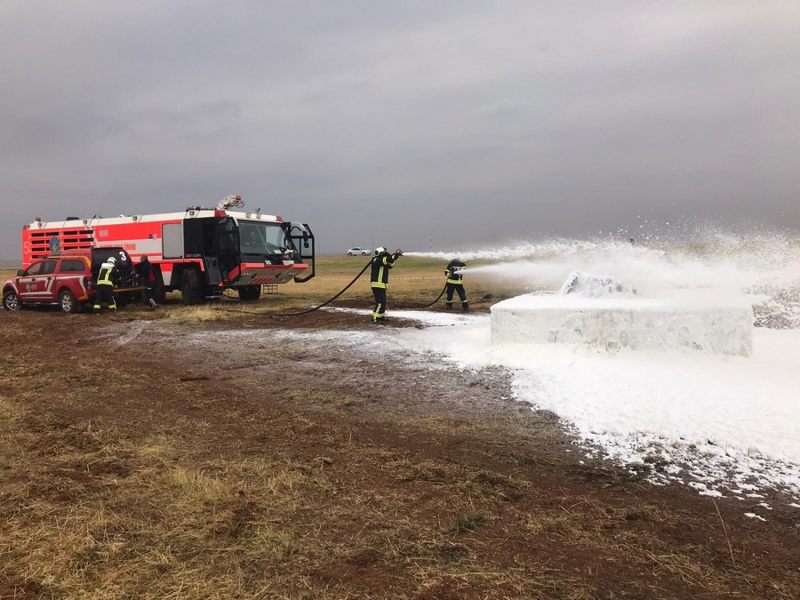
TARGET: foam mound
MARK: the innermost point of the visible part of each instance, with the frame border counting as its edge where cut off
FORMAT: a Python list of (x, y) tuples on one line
[(590, 286), (609, 316)]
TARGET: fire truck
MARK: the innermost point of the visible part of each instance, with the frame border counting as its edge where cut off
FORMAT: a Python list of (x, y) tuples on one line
[(201, 251)]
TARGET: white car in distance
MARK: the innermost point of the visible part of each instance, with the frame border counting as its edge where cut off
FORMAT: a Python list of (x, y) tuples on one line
[(358, 251)]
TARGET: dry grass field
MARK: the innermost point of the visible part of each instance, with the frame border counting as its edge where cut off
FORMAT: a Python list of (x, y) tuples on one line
[(193, 453), (413, 281)]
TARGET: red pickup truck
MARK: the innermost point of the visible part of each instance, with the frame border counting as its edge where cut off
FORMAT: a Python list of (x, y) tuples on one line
[(67, 279)]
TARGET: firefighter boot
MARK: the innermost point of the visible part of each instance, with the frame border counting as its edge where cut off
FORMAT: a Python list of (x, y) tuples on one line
[(449, 305), (465, 306)]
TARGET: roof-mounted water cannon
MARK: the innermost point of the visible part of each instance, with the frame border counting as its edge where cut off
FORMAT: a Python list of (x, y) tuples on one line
[(229, 202)]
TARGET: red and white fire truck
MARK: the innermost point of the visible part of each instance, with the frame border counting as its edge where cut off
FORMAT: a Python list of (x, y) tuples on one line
[(200, 251)]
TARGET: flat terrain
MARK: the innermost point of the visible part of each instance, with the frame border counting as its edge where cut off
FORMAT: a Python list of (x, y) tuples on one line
[(208, 452)]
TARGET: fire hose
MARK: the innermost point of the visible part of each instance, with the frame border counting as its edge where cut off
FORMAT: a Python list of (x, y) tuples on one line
[(429, 303), (343, 290), (327, 302)]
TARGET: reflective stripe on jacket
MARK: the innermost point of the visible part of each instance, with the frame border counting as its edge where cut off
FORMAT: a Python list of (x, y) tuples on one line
[(104, 277), (380, 270), (453, 276)]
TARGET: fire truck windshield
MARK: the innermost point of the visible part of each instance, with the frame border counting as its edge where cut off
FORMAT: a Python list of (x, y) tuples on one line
[(262, 239)]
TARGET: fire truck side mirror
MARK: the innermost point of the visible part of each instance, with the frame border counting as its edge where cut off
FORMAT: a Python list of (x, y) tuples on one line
[(20, 272)]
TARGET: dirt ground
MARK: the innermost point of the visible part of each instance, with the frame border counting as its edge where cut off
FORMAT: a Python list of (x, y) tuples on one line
[(147, 456)]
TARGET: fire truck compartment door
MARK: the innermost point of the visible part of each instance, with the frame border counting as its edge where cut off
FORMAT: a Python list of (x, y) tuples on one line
[(172, 240)]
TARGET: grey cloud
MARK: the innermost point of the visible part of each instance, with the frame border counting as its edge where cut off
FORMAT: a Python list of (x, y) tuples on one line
[(465, 122)]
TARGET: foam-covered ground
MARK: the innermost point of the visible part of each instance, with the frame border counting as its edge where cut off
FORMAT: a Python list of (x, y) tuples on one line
[(720, 423), (611, 323), (715, 422)]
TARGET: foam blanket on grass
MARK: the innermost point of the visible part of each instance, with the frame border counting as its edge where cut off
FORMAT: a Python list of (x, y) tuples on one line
[(617, 322)]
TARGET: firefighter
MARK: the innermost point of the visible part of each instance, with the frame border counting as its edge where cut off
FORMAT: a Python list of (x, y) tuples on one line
[(455, 283), (379, 280), (147, 278), (104, 288)]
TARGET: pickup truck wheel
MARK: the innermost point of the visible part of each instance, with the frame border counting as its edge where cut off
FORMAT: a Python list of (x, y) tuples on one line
[(249, 292), (191, 290), (11, 300), (67, 302)]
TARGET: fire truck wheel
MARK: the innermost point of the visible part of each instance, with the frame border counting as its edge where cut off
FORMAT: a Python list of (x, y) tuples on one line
[(67, 302), (11, 300), (250, 292), (191, 290)]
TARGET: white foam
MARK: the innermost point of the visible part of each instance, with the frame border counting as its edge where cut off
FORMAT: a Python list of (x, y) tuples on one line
[(613, 322), (731, 419), (764, 268), (730, 422), (426, 317), (752, 515)]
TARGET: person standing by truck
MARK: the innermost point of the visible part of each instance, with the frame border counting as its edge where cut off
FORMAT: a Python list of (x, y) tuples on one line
[(147, 278), (379, 280), (455, 283), (104, 287)]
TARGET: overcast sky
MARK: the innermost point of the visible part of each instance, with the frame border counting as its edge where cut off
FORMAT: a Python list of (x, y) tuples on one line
[(401, 122)]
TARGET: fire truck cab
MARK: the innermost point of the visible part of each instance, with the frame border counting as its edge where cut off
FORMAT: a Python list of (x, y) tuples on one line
[(200, 251)]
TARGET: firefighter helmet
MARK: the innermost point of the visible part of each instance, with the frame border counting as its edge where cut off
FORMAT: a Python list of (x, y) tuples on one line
[(379, 250)]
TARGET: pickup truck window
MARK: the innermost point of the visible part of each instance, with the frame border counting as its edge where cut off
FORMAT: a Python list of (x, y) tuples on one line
[(48, 266), (72, 266), (33, 269)]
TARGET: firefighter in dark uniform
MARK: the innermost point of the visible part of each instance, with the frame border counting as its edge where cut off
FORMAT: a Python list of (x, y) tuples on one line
[(455, 283), (379, 280), (147, 278), (104, 288)]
